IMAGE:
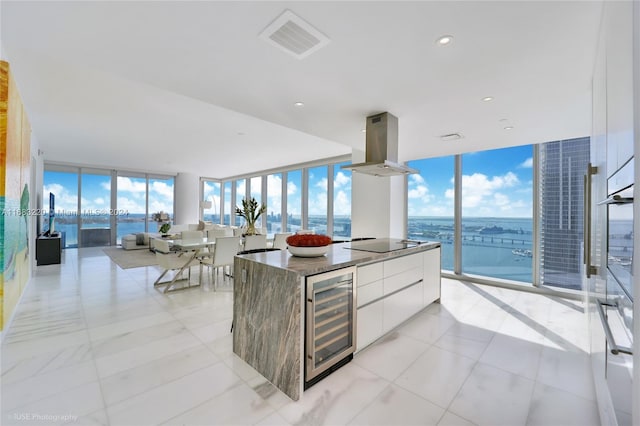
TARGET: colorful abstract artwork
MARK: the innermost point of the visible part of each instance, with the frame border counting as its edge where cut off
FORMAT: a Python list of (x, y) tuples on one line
[(15, 133)]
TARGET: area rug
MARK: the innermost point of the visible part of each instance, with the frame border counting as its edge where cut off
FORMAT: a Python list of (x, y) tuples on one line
[(127, 259)]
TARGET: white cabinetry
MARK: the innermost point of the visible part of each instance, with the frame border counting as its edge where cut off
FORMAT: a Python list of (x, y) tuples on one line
[(619, 84), (369, 289), (402, 289), (400, 306), (391, 291), (369, 325), (431, 279)]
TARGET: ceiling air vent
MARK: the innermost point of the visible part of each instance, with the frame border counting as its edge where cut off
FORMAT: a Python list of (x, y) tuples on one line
[(294, 35)]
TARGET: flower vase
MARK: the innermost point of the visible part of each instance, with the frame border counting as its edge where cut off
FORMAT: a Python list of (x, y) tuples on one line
[(250, 229)]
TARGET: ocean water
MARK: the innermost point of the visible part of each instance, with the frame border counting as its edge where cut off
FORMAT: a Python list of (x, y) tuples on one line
[(130, 225), (493, 247)]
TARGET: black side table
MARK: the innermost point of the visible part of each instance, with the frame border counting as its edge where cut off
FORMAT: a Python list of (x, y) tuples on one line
[(49, 249)]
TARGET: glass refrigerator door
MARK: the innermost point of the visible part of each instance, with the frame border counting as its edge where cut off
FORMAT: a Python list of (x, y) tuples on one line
[(330, 319)]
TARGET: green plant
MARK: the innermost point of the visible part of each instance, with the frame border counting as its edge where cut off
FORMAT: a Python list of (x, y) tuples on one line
[(165, 228), (250, 212)]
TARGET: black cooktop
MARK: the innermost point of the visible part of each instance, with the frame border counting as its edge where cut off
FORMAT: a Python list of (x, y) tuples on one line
[(382, 246)]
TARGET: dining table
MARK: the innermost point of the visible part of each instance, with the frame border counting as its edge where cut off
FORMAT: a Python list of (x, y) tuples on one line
[(191, 249)]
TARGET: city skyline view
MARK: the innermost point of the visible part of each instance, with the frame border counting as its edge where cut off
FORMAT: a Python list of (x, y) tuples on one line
[(497, 203)]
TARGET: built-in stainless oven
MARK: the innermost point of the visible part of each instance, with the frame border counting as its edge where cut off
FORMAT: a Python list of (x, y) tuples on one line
[(616, 309), (330, 322)]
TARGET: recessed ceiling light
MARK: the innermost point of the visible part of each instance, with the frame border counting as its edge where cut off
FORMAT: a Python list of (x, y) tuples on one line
[(445, 39), (240, 133), (502, 120), (363, 130), (299, 104), (451, 137), (487, 98), (508, 128)]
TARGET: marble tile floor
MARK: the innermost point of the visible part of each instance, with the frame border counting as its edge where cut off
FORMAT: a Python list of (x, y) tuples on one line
[(93, 344)]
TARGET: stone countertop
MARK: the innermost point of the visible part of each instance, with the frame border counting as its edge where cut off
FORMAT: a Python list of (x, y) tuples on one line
[(338, 256)]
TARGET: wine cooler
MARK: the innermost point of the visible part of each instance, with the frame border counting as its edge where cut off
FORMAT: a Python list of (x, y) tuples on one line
[(330, 322)]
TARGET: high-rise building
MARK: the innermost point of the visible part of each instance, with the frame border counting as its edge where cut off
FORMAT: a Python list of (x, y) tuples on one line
[(562, 167)]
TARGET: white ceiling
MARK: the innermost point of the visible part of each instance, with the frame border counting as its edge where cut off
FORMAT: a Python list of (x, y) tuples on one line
[(190, 87)]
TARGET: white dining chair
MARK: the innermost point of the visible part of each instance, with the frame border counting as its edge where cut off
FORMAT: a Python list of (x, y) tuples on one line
[(218, 232), (252, 242), (223, 254), (191, 235), (280, 240)]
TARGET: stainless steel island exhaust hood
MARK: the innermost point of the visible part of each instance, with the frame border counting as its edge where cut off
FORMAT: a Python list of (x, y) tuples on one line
[(381, 155)]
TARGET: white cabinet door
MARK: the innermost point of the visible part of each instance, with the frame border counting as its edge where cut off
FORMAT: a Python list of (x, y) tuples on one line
[(369, 292), (619, 75), (369, 273), (400, 306), (402, 279), (369, 325), (402, 264), (431, 276)]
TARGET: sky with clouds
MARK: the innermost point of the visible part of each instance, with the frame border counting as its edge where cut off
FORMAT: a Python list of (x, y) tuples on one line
[(96, 190), (495, 183)]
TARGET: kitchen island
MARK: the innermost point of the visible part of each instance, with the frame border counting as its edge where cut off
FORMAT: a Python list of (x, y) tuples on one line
[(270, 299)]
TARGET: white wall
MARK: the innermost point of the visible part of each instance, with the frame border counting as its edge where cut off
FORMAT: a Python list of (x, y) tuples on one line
[(398, 213), (2, 54), (187, 199), (378, 204), (35, 187)]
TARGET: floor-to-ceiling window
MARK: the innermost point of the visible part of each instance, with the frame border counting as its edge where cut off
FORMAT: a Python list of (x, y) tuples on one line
[(161, 196), (95, 207), (227, 203), (211, 194), (89, 214), (143, 199), (497, 213), (341, 201), (317, 196), (132, 199), (241, 194), (562, 167), (430, 204), (274, 203), (317, 218), (255, 184), (504, 224), (64, 186), (294, 200)]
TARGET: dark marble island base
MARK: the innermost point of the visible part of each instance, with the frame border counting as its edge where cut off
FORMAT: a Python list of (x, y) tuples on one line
[(268, 326)]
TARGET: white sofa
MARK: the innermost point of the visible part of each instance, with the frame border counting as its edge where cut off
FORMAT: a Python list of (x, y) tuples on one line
[(136, 241), (141, 240)]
